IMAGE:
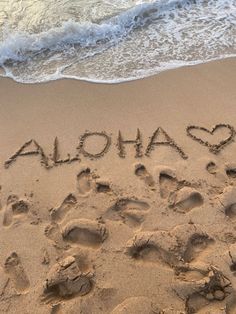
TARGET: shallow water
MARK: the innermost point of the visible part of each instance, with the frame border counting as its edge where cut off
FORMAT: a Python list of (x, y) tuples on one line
[(111, 40)]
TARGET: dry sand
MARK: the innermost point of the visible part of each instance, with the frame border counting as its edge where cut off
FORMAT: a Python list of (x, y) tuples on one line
[(140, 227)]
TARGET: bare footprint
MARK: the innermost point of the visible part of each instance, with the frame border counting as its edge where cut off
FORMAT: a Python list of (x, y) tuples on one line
[(145, 247), (59, 213), (186, 199), (215, 289), (230, 211), (53, 233), (141, 171), (131, 211), (15, 207), (211, 167), (136, 305), (231, 172), (168, 183), (103, 187), (196, 245), (85, 232), (65, 280), (84, 181), (13, 267)]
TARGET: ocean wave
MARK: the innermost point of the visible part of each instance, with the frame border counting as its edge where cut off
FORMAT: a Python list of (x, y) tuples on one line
[(124, 43), (18, 46)]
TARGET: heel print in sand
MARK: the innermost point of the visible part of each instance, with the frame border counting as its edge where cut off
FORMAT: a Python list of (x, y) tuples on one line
[(13, 267)]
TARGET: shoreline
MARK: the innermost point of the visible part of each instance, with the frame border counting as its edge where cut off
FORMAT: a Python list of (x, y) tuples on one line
[(122, 81)]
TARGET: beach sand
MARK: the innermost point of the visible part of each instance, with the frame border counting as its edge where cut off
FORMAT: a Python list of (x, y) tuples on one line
[(138, 227)]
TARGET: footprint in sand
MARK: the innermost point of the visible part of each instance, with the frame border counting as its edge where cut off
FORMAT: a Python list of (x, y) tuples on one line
[(136, 305), (143, 174), (59, 213), (186, 199), (65, 280), (212, 294), (85, 232), (131, 211), (14, 269), (231, 171), (84, 181), (168, 182), (211, 167), (53, 233), (196, 245), (230, 211), (152, 247), (15, 208), (103, 187)]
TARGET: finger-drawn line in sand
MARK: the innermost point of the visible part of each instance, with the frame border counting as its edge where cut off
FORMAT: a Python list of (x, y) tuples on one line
[(58, 214), (104, 150), (141, 172), (15, 208), (168, 141), (38, 151), (131, 211), (65, 280), (56, 155), (213, 148), (85, 232), (137, 144), (16, 272)]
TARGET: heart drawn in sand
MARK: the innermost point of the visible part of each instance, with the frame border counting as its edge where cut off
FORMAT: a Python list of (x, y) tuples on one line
[(214, 148)]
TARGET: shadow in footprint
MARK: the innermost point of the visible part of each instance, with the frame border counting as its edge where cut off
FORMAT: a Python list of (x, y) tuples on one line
[(216, 288), (168, 184), (85, 232), (143, 174), (131, 211), (15, 207), (231, 173), (187, 199), (84, 181), (13, 267), (230, 211), (59, 213), (65, 280), (211, 167), (196, 245), (148, 251)]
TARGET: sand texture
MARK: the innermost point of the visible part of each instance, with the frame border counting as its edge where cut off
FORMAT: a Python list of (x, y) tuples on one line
[(120, 198)]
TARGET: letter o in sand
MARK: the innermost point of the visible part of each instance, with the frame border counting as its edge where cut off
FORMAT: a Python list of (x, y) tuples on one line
[(90, 136)]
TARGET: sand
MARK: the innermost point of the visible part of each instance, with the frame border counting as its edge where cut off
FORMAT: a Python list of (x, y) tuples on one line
[(120, 198)]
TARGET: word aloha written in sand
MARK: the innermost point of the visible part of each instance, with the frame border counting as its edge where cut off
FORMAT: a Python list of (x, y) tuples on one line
[(159, 138)]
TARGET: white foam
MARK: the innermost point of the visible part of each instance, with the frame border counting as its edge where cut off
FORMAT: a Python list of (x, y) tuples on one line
[(163, 31)]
